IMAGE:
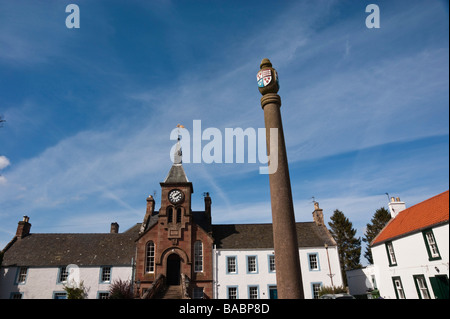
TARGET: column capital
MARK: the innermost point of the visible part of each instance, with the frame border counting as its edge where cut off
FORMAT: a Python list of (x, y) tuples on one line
[(270, 98)]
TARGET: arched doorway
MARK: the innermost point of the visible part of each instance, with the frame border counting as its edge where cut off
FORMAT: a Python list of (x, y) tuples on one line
[(173, 269)]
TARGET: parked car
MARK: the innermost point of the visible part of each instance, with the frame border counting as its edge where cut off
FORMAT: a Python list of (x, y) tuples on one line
[(337, 296)]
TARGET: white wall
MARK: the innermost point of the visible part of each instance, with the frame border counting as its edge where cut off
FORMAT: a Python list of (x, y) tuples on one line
[(264, 279), (41, 282), (412, 259)]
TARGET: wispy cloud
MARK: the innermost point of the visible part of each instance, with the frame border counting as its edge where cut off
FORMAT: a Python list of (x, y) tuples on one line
[(343, 89)]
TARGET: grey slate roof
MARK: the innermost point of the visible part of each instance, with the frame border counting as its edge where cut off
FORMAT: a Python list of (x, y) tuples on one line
[(176, 175), (44, 250), (38, 250), (254, 236)]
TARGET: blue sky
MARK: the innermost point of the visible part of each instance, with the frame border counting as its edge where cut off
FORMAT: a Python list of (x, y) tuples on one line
[(89, 111)]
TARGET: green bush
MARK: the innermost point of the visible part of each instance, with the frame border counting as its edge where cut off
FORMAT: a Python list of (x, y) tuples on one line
[(332, 290)]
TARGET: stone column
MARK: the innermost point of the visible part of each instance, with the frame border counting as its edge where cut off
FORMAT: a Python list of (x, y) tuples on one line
[(287, 262)]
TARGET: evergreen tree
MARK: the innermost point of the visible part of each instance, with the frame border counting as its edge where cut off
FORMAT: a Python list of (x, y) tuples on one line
[(348, 245), (378, 221)]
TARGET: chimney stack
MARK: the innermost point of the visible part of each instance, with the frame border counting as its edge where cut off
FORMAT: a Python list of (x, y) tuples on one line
[(318, 215), (114, 228), (396, 206), (208, 207), (23, 228), (148, 213)]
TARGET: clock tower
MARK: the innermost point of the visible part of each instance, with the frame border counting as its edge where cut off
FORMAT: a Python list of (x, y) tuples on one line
[(176, 240)]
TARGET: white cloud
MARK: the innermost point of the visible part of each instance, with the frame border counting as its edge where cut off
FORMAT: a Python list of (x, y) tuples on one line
[(4, 162)]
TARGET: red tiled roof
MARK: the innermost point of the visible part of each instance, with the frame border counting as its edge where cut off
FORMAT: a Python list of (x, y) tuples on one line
[(420, 216)]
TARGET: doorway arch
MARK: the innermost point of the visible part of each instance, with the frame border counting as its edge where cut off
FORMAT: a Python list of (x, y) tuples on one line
[(173, 270)]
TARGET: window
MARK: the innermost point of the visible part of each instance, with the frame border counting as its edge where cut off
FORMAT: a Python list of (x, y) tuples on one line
[(252, 264), (198, 256), (103, 295), (105, 274), (63, 274), (22, 275), (169, 215), (313, 261), (59, 295), (150, 257), (391, 254), (253, 292), (16, 295), (315, 286), (231, 265), (178, 215), (271, 263), (398, 287), (374, 282), (421, 286), (197, 293), (232, 293), (430, 243)]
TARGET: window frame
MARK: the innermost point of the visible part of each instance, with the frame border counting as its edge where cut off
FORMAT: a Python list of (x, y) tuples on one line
[(316, 255), (420, 290), (270, 262), (150, 258), (431, 255), (20, 274), (399, 280), (103, 270), (249, 291), (198, 257), (228, 258), (63, 275), (314, 291), (255, 258), (392, 261), (236, 291)]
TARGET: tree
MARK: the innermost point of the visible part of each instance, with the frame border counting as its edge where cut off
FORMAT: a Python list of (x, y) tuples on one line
[(348, 245), (75, 291), (121, 289), (378, 221)]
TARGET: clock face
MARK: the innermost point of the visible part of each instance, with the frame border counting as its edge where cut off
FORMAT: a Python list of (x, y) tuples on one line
[(176, 196)]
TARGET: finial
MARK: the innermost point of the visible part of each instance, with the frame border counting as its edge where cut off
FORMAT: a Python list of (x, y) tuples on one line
[(265, 63), (177, 158)]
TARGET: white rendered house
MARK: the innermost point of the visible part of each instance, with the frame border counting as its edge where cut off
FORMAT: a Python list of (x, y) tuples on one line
[(244, 260), (411, 254)]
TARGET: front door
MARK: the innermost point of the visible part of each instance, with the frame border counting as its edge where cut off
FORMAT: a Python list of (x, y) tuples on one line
[(439, 284), (173, 269), (273, 293)]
